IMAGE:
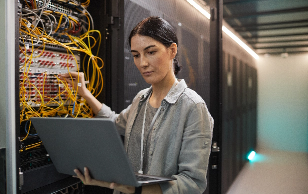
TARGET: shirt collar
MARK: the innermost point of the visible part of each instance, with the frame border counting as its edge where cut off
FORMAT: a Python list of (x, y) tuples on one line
[(176, 91), (173, 94), (146, 94)]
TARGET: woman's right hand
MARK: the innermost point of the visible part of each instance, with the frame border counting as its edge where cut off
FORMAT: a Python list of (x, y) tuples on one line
[(76, 80)]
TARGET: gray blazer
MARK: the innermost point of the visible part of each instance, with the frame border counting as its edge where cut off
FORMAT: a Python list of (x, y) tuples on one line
[(181, 138)]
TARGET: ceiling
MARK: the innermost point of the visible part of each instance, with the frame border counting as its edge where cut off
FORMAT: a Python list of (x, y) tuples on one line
[(270, 26)]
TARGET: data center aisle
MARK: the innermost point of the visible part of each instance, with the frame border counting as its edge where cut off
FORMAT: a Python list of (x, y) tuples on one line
[(273, 172)]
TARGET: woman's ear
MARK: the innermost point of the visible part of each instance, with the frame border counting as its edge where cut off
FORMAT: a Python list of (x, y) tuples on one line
[(174, 49)]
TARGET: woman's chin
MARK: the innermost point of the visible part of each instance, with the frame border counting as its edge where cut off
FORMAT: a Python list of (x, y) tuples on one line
[(148, 80)]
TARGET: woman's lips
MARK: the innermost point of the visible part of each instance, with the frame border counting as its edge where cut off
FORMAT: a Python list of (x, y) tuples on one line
[(148, 73)]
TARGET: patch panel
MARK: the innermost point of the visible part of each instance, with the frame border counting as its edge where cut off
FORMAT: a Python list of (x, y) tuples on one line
[(38, 76), (56, 7), (38, 43), (43, 88), (51, 62)]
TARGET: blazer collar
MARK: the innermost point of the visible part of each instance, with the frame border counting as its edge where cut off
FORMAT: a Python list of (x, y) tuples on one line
[(173, 94)]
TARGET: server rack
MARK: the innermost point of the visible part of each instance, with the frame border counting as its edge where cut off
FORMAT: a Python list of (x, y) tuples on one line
[(24, 170)]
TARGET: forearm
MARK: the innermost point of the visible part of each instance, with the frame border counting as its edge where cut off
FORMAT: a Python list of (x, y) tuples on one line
[(92, 102), (151, 189)]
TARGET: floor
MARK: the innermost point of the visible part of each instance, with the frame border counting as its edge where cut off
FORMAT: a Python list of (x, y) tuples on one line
[(273, 172)]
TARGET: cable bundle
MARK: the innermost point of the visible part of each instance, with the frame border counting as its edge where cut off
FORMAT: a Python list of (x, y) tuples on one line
[(43, 25)]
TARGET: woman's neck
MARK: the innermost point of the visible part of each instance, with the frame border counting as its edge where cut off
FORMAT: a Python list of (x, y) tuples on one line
[(160, 91)]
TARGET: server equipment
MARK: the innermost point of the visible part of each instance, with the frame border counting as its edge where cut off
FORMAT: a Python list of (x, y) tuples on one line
[(55, 37)]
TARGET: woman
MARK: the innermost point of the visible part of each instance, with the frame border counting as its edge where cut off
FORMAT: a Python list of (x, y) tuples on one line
[(167, 128)]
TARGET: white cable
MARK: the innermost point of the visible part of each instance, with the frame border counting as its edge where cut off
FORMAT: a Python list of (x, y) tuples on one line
[(90, 18), (51, 24)]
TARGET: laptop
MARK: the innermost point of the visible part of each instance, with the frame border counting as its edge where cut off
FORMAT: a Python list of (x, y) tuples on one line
[(75, 143)]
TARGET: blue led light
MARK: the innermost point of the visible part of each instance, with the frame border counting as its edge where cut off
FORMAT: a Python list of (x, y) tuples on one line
[(251, 155)]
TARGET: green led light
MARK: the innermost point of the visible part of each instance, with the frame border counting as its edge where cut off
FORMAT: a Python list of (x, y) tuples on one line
[(251, 155)]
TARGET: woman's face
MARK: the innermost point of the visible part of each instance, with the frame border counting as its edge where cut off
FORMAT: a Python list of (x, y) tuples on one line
[(153, 59)]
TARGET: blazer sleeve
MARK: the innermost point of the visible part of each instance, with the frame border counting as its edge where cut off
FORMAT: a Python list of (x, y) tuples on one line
[(121, 119)]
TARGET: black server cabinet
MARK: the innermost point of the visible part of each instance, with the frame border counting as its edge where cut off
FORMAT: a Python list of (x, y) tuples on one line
[(239, 91), (39, 175)]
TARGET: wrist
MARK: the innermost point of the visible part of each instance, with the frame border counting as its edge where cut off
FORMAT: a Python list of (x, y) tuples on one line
[(138, 190), (84, 92)]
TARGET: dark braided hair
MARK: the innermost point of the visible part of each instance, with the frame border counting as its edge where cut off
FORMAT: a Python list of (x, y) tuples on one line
[(160, 30)]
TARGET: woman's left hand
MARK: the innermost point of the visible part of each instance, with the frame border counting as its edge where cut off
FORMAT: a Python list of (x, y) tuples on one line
[(87, 180)]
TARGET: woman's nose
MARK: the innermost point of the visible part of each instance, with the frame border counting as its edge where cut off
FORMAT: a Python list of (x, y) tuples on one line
[(144, 62)]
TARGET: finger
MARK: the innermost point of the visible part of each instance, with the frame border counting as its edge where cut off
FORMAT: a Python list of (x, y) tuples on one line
[(71, 78), (68, 80), (64, 75), (115, 185), (111, 186), (79, 175), (87, 174), (69, 75)]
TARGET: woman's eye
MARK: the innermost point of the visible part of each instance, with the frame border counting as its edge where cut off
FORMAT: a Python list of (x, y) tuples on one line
[(135, 56), (151, 52)]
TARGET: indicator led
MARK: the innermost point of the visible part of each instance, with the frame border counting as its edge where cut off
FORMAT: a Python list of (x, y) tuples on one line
[(251, 155)]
